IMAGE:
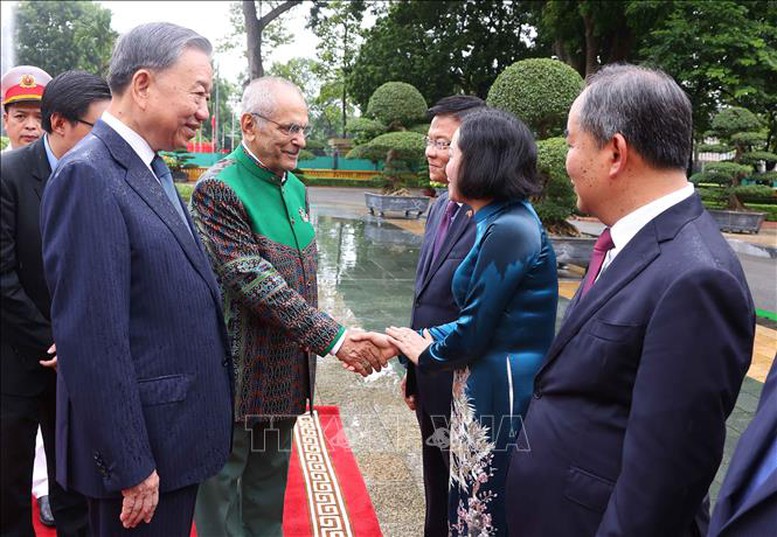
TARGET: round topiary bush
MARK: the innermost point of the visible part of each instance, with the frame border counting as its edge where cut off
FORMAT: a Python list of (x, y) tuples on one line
[(397, 104), (557, 201), (539, 91)]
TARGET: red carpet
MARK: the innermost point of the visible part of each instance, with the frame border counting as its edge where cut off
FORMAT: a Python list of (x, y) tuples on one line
[(326, 495)]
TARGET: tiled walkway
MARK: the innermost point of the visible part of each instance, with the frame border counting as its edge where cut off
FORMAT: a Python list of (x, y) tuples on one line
[(366, 275)]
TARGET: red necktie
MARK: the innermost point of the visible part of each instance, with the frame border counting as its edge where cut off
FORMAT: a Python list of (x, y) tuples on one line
[(445, 224), (603, 245)]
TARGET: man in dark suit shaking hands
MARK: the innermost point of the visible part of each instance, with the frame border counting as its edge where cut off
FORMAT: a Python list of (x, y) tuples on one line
[(71, 103), (144, 381), (627, 423), (448, 238)]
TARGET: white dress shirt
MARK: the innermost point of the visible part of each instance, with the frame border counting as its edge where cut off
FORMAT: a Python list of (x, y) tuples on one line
[(627, 227)]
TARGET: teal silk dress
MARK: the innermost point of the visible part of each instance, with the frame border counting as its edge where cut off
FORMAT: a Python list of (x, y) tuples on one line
[(507, 290)]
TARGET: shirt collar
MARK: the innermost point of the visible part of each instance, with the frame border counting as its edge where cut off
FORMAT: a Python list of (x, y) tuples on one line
[(138, 144), (53, 161), (627, 227), (260, 163)]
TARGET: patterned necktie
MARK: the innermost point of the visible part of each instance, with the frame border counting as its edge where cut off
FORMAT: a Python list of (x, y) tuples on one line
[(603, 245), (445, 224), (166, 179)]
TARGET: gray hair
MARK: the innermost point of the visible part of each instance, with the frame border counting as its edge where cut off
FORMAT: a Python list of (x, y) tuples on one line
[(260, 95), (156, 46), (644, 105)]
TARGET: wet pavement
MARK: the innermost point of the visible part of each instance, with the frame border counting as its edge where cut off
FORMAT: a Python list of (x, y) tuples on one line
[(366, 276)]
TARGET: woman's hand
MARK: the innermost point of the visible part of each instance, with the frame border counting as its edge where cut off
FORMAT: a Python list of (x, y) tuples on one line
[(409, 342)]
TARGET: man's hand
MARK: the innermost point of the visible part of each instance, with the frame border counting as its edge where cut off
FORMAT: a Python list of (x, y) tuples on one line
[(409, 399), (51, 362), (381, 341), (140, 502), (409, 342), (359, 355)]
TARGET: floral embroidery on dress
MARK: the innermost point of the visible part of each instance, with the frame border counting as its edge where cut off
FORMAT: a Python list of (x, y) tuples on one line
[(471, 455)]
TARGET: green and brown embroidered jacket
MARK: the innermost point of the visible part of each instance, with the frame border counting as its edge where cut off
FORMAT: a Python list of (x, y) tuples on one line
[(257, 232)]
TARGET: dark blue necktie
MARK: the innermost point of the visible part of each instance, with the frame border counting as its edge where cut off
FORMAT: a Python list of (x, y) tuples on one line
[(166, 179)]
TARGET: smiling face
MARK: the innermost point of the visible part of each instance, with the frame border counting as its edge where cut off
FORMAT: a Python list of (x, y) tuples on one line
[(440, 130), (22, 123), (277, 150), (176, 101)]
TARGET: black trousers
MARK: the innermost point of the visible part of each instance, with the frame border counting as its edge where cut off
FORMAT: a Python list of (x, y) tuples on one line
[(172, 518), (19, 420), (435, 453)]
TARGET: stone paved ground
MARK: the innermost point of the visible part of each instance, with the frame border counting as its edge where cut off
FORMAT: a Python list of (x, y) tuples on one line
[(366, 274)]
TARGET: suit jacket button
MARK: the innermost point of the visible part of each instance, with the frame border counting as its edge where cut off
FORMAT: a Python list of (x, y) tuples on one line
[(537, 394), (225, 362)]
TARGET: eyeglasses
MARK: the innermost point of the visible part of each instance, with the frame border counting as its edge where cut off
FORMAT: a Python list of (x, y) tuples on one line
[(85, 122), (288, 130), (439, 144)]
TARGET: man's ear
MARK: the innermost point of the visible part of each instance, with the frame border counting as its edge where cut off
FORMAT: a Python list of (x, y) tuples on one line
[(140, 86), (248, 126), (58, 122), (619, 154)]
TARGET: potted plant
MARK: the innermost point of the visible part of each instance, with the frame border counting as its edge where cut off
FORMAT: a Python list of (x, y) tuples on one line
[(177, 161), (396, 107), (740, 135)]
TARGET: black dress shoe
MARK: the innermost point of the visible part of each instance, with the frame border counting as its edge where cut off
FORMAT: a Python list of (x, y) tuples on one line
[(46, 517)]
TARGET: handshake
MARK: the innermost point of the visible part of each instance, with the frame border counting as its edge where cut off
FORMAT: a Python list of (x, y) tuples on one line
[(365, 352)]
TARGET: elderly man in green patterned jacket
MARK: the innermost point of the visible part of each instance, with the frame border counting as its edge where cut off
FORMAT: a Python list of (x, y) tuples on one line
[(252, 215)]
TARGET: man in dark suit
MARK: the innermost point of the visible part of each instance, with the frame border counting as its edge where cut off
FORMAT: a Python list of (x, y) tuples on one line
[(144, 376), (747, 502), (626, 427), (429, 394), (71, 103)]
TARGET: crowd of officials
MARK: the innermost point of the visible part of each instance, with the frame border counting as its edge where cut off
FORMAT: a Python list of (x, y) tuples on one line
[(165, 351)]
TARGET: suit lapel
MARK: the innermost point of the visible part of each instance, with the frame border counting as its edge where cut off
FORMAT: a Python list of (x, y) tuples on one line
[(140, 178), (41, 170), (455, 231), (642, 250), (756, 437)]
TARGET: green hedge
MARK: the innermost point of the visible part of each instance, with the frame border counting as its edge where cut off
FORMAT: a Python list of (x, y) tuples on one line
[(397, 103), (185, 190)]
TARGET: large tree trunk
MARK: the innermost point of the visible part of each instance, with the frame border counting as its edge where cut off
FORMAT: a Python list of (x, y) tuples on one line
[(591, 46), (254, 28)]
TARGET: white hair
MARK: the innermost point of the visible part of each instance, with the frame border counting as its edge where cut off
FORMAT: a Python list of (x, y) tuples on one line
[(260, 96)]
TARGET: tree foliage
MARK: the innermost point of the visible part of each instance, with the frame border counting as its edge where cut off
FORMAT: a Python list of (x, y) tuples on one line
[(738, 130), (397, 104), (538, 91), (256, 25), (585, 33), (59, 36), (556, 203), (337, 24), (442, 47), (720, 52)]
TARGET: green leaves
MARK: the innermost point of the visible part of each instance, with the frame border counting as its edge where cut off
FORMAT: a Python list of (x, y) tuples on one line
[(397, 104), (59, 36), (539, 92)]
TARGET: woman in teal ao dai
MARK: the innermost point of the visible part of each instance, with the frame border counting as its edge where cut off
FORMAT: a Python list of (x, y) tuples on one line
[(507, 290)]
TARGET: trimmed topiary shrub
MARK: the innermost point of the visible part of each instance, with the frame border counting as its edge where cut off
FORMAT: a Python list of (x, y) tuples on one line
[(740, 131), (539, 91), (397, 104), (557, 201), (363, 129), (400, 150)]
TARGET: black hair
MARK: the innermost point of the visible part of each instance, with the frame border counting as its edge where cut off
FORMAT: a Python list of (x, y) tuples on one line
[(70, 94), (458, 106), (499, 157)]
